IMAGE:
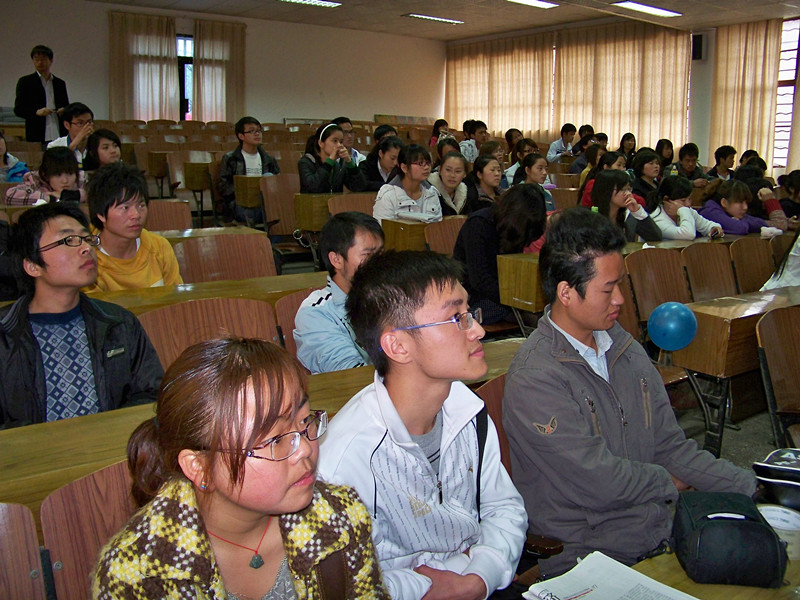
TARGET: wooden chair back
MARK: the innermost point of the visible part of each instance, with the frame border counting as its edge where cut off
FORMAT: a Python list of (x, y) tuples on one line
[(491, 393), (4, 187), (656, 277), (558, 167), (175, 327), (441, 237), (176, 163), (168, 214), (778, 334), (19, 554), (14, 146), (197, 175), (710, 272), (247, 191), (79, 518), (780, 245), (565, 197), (628, 313), (752, 262), (225, 257), (278, 192), (285, 311), (32, 158), (361, 202), (565, 180)]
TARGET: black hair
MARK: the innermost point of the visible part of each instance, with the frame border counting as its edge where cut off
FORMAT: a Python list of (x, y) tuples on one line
[(509, 135), (340, 120), (111, 185), (382, 131), (468, 127), (531, 159), (488, 148), (747, 155), (585, 129), (723, 152), (92, 161), (411, 153), (74, 110), (56, 161), (386, 144), (573, 242), (339, 234), (388, 289), (437, 125), (457, 155), (582, 143), (791, 183), (567, 127), (239, 127), (521, 145), (733, 191), (605, 184), (591, 154), (601, 137), (520, 217), (4, 158), (641, 158), (672, 187), (627, 154), (446, 141), (690, 150), (608, 159), (753, 177), (42, 50), (27, 234), (312, 145), (759, 162)]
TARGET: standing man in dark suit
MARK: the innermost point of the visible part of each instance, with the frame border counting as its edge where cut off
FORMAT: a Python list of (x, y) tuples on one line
[(41, 96)]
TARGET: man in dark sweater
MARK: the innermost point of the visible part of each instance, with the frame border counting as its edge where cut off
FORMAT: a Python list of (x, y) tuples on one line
[(63, 354)]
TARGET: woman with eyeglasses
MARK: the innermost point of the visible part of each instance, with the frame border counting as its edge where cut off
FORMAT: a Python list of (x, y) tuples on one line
[(58, 178), (225, 475), (409, 195), (505, 227)]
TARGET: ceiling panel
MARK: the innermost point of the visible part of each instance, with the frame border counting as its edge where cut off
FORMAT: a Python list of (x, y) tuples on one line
[(481, 17)]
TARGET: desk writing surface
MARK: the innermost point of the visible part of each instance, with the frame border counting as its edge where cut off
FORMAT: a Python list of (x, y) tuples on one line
[(173, 236), (311, 210), (667, 570), (519, 283), (725, 344), (259, 288), (38, 459), (403, 234)]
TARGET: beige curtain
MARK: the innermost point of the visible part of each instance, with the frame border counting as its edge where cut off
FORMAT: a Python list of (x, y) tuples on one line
[(745, 87), (793, 160), (506, 83), (622, 77), (143, 67), (218, 71)]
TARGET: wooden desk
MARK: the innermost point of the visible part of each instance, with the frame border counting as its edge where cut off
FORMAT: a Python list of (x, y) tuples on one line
[(259, 288), (311, 210), (38, 459), (667, 570), (174, 236), (404, 234), (520, 287), (680, 244)]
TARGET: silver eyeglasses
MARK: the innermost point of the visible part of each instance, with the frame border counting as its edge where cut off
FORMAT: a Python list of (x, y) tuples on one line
[(283, 446), (73, 241), (464, 321)]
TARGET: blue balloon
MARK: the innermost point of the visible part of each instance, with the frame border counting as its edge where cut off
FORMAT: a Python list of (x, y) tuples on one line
[(672, 326)]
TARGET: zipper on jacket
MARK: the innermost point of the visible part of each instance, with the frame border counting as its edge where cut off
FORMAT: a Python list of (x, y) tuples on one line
[(646, 400), (439, 485), (595, 420)]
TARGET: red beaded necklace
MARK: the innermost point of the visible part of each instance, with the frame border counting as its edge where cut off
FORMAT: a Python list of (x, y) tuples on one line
[(256, 562)]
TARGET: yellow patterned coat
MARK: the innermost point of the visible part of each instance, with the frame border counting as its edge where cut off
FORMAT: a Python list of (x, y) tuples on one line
[(164, 551)]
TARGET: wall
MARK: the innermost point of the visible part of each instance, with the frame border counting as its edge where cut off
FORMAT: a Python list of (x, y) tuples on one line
[(292, 70)]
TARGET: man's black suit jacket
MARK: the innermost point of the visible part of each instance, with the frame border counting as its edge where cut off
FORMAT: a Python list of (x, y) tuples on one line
[(31, 97)]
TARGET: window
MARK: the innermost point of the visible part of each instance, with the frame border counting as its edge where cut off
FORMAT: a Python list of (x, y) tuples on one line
[(185, 75), (787, 76)]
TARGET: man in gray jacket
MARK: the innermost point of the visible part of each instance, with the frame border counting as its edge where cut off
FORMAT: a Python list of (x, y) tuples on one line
[(595, 448)]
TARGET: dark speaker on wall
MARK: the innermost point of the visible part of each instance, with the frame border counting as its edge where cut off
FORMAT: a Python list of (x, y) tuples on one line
[(698, 41)]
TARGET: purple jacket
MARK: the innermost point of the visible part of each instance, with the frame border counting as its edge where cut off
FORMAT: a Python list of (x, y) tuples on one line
[(713, 211)]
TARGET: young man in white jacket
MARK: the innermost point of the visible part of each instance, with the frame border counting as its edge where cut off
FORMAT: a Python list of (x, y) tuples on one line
[(409, 442)]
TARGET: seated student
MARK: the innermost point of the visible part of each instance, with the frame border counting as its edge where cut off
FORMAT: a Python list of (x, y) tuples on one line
[(327, 165), (102, 148), (764, 204), (440, 129), (483, 183), (109, 364), (790, 184), (724, 157), (627, 147), (664, 150), (609, 160), (446, 145), (513, 136), (477, 135), (493, 148), (506, 227), (382, 131), (613, 198), (563, 145), (380, 166), (234, 444), (602, 139), (579, 150), (728, 207), (595, 448), (79, 122), (671, 209), (788, 272), (348, 138), (535, 168), (688, 167), (324, 338), (130, 257), (11, 168), (523, 147), (409, 195), (646, 169), (593, 155), (585, 129), (448, 182), (747, 156), (249, 158), (59, 178), (409, 443)]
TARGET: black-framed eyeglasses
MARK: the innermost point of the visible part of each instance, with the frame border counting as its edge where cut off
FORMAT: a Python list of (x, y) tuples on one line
[(283, 446), (82, 123), (463, 320), (350, 132), (252, 132), (73, 241)]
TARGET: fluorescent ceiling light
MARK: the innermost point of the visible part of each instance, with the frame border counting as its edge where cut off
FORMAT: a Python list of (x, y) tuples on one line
[(535, 3), (323, 3), (438, 19), (650, 10)]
